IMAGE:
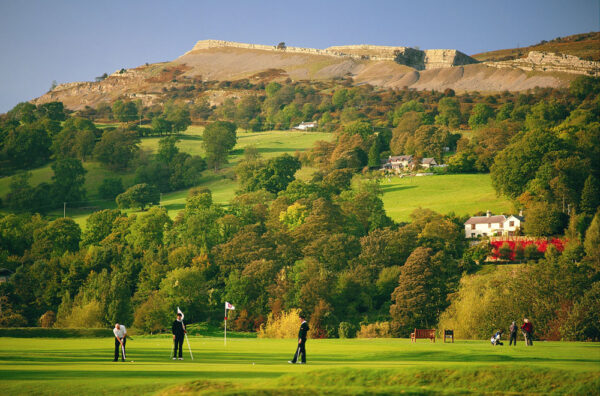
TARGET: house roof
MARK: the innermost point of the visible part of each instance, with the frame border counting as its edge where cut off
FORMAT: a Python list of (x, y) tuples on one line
[(486, 220), (400, 158), (520, 218), (429, 161)]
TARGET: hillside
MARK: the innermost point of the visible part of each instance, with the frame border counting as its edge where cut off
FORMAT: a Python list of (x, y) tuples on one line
[(212, 60), (585, 46)]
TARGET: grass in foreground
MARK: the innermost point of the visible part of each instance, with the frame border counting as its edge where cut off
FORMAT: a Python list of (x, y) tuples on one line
[(461, 194), (259, 366)]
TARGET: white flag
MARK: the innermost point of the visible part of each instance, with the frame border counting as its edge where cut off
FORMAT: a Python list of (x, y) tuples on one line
[(179, 312), (229, 306)]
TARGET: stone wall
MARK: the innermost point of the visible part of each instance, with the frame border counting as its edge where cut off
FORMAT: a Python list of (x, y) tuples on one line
[(428, 59), (548, 62)]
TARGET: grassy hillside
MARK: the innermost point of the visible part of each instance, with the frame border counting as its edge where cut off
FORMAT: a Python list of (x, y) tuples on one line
[(461, 194), (221, 183), (585, 46), (84, 366)]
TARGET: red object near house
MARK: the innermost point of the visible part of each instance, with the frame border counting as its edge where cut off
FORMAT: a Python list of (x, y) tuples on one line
[(541, 243)]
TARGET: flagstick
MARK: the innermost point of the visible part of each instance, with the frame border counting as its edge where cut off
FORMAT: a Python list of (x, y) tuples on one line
[(188, 341), (225, 340), (190, 348)]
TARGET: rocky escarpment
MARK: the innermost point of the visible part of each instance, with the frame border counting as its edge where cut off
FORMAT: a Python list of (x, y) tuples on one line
[(551, 62), (379, 66), (415, 58)]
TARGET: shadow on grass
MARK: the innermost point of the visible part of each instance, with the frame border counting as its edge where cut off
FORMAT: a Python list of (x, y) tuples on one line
[(176, 206), (62, 375), (387, 189)]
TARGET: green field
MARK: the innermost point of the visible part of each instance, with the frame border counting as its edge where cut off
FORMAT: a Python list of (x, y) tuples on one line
[(221, 183), (461, 194), (76, 366)]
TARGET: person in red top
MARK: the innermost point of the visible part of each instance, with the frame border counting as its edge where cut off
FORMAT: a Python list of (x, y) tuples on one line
[(527, 331)]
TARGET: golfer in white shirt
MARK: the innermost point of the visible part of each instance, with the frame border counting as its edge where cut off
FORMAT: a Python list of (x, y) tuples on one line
[(120, 338)]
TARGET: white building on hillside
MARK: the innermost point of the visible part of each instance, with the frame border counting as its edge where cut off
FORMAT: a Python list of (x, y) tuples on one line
[(404, 162), (306, 126), (490, 225)]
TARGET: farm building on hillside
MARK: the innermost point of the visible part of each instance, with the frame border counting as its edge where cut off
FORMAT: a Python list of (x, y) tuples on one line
[(490, 225), (306, 126), (403, 162)]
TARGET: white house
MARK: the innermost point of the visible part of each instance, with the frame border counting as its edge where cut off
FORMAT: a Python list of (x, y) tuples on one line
[(490, 225), (306, 125), (401, 162)]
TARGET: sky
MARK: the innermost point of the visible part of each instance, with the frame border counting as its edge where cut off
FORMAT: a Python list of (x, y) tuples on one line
[(75, 40)]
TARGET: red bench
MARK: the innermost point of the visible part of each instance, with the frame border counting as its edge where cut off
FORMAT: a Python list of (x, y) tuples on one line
[(423, 333)]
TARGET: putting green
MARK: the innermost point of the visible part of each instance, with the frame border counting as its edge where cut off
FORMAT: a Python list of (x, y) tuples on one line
[(74, 366)]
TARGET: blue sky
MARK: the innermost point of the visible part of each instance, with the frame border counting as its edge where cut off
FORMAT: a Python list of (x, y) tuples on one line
[(70, 40)]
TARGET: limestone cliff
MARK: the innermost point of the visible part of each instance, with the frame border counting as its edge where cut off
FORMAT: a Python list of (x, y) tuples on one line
[(415, 58), (551, 62)]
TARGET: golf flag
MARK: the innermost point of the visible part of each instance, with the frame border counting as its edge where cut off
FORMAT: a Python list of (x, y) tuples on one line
[(227, 307), (179, 312)]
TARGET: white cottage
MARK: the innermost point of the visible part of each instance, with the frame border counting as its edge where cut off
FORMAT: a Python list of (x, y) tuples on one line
[(304, 126), (490, 225), (401, 162)]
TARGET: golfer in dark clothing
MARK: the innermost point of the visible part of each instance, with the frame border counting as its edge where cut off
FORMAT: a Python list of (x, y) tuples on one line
[(178, 330), (527, 332), (301, 350), (513, 334)]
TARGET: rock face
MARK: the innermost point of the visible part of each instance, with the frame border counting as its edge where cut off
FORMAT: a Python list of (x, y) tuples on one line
[(379, 66), (551, 62), (417, 59)]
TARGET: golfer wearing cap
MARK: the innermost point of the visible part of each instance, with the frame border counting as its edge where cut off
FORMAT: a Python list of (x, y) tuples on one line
[(120, 338)]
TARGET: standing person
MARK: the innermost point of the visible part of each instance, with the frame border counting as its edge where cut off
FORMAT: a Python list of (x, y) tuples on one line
[(513, 334), (301, 349), (527, 331), (179, 332), (120, 333)]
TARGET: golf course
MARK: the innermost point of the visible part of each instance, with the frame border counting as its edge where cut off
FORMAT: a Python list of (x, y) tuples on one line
[(84, 366)]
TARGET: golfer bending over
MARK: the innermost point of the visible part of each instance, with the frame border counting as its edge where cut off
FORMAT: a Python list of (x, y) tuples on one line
[(178, 330), (120, 338), (301, 349)]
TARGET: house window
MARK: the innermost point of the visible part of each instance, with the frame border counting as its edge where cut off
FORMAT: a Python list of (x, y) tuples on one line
[(472, 226), (511, 224), (472, 235), (489, 225), (501, 225)]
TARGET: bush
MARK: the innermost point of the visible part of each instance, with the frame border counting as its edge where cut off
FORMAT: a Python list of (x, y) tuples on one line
[(86, 315), (152, 315), (375, 330), (283, 326), (47, 320), (347, 330), (12, 319)]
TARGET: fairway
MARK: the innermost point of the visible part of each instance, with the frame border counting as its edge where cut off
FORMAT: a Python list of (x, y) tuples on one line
[(461, 194), (50, 366)]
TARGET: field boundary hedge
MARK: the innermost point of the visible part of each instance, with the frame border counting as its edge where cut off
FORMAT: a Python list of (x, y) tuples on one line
[(40, 332)]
